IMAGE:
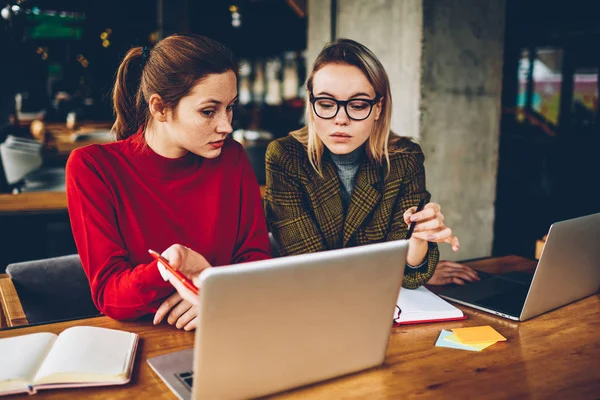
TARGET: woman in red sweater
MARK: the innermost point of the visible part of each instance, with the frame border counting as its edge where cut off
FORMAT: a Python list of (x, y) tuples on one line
[(173, 180)]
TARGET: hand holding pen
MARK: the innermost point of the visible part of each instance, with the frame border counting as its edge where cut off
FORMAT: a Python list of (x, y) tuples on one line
[(182, 267), (174, 275), (426, 222), (185, 265)]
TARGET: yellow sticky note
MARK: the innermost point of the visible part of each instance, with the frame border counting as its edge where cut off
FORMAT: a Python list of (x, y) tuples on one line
[(477, 346), (478, 334)]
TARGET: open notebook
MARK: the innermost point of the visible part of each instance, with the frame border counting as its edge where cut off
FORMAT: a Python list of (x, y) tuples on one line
[(79, 356), (420, 305)]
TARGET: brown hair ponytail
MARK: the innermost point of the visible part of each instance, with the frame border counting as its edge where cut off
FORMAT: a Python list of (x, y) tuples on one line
[(127, 101), (170, 69)]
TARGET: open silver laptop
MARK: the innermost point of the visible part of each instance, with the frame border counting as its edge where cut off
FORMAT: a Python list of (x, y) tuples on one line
[(568, 270), (273, 325)]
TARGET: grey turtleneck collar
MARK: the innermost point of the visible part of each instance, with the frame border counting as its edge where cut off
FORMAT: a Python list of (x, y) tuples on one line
[(347, 166)]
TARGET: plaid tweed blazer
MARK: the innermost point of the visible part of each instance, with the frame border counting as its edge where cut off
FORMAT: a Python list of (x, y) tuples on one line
[(305, 213)]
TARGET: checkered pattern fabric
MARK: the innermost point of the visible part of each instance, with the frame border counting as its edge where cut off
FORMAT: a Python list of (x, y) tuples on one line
[(305, 212)]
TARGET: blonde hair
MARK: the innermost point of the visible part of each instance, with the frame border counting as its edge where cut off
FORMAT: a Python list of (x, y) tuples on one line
[(381, 141)]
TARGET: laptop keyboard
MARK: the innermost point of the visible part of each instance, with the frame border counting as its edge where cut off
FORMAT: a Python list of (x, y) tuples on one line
[(521, 277), (187, 378), (510, 303), (505, 293), (480, 290)]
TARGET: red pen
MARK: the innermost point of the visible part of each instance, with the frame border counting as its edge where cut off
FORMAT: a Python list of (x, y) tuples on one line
[(177, 274)]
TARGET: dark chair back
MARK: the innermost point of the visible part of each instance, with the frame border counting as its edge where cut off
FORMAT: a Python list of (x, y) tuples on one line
[(52, 289), (256, 156), (274, 246)]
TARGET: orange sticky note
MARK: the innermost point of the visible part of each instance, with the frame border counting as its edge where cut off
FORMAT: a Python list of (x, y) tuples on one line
[(476, 346), (478, 334)]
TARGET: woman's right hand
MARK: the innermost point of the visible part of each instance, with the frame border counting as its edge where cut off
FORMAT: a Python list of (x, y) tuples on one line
[(191, 264)]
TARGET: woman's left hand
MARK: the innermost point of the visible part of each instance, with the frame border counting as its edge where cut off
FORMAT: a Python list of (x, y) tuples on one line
[(451, 272), (181, 313), (430, 225)]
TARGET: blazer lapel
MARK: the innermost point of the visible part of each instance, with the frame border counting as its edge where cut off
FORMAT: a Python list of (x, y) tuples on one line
[(365, 196), (326, 201)]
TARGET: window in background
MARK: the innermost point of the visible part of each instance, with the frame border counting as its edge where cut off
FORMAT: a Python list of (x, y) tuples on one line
[(585, 96), (522, 72), (547, 82)]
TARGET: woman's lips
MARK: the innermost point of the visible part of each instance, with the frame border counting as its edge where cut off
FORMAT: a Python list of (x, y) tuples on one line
[(217, 145), (340, 137)]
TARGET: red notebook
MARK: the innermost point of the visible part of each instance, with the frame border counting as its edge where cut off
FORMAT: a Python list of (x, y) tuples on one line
[(416, 306)]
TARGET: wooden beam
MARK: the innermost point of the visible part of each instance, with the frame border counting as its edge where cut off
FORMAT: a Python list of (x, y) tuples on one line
[(299, 7), (11, 310)]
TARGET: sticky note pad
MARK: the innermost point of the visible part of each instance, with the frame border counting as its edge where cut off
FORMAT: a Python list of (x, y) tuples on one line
[(477, 346), (478, 334), (442, 342)]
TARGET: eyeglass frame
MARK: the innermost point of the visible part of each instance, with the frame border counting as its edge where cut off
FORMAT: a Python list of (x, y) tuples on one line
[(343, 103)]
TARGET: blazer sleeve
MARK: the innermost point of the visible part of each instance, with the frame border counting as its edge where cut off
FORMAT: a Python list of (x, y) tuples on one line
[(413, 189), (289, 218)]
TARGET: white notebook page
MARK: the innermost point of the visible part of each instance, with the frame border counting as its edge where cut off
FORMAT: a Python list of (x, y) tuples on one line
[(87, 354), (424, 303), (21, 356)]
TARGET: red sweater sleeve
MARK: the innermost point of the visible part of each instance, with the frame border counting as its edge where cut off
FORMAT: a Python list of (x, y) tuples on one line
[(119, 289), (252, 242)]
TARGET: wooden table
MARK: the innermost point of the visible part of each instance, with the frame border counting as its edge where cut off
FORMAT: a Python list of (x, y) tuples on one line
[(62, 136), (43, 202), (555, 355), (33, 202)]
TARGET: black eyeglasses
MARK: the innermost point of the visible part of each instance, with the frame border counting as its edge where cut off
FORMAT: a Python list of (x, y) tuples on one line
[(356, 109)]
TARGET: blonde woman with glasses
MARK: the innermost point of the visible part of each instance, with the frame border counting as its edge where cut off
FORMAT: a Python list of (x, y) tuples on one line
[(346, 179)]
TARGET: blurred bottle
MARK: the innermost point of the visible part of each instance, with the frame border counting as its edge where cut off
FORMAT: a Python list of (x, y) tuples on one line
[(71, 120), (272, 72), (258, 86), (245, 90), (290, 76)]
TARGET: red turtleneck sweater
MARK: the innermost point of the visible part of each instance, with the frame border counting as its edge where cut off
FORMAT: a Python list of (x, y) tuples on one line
[(125, 199)]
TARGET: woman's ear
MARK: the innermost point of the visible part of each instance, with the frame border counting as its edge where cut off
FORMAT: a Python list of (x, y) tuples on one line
[(157, 108), (378, 108)]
